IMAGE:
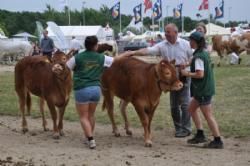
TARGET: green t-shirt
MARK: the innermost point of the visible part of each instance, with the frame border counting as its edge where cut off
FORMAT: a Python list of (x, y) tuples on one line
[(88, 69), (204, 86)]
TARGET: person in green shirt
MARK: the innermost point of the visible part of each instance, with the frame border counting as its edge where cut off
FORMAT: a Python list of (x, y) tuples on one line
[(88, 67), (202, 90)]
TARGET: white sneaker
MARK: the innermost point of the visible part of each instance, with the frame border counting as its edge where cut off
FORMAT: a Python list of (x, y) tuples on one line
[(86, 142), (92, 144)]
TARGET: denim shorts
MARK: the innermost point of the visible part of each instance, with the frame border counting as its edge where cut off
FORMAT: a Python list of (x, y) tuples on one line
[(203, 100), (89, 94)]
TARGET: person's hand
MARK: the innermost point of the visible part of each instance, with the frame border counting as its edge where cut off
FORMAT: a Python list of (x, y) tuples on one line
[(184, 73), (128, 53)]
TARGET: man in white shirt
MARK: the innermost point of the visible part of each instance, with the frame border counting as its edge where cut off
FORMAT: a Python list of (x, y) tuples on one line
[(75, 45), (175, 48)]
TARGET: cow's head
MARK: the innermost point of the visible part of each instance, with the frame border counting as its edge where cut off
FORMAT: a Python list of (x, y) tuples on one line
[(105, 48), (59, 57), (59, 67), (167, 78)]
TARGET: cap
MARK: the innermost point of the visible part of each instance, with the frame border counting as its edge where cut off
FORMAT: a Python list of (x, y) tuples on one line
[(197, 36)]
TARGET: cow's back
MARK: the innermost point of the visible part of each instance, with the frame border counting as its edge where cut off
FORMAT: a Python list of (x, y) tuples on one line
[(126, 77), (34, 73)]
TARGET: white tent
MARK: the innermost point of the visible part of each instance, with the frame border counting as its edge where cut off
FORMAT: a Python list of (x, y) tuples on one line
[(212, 30), (2, 35), (80, 32)]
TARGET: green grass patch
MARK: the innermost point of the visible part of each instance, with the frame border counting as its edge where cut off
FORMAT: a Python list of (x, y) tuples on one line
[(231, 103)]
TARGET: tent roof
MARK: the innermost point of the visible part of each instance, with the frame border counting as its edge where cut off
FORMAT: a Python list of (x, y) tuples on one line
[(78, 30), (24, 34), (213, 29)]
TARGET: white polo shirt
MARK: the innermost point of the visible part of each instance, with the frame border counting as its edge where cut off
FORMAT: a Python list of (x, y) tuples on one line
[(180, 51)]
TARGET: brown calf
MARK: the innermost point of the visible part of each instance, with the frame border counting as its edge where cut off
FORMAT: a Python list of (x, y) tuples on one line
[(140, 83), (51, 82)]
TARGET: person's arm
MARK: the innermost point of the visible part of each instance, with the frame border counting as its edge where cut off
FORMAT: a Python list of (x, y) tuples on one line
[(71, 63), (199, 70)]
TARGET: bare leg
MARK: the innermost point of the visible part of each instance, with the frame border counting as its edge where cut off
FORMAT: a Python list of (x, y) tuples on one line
[(193, 106), (208, 113), (83, 111), (92, 108)]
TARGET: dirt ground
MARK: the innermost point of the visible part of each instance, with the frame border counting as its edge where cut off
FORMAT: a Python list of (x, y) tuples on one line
[(38, 148)]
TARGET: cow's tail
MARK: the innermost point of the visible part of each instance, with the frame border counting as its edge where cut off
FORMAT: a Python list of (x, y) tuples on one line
[(104, 106), (28, 103)]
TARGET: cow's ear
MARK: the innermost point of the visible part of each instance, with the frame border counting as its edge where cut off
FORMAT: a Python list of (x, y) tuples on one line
[(172, 62)]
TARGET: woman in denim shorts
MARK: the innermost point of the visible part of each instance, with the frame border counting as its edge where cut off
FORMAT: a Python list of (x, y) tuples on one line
[(87, 68), (202, 90)]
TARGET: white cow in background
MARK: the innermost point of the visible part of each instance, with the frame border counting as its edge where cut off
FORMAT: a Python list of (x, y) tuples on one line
[(11, 50)]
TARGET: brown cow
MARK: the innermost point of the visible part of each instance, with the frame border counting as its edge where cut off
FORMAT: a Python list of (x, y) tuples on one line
[(141, 84), (51, 82), (226, 45)]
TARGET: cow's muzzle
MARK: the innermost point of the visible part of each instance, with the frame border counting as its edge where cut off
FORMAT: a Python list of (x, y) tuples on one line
[(177, 86), (57, 68)]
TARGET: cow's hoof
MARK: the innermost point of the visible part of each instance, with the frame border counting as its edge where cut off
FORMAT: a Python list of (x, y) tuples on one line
[(148, 144), (56, 135), (25, 130), (117, 134), (61, 133), (45, 129), (129, 132)]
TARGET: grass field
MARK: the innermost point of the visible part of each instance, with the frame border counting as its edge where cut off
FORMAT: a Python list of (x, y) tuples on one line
[(231, 103)]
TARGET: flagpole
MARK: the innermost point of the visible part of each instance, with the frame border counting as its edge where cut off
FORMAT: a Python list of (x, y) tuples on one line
[(120, 19), (153, 16), (182, 19), (68, 11), (208, 17), (142, 20)]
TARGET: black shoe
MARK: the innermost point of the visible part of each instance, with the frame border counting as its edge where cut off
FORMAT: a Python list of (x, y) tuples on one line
[(197, 139), (214, 145), (182, 134), (239, 61)]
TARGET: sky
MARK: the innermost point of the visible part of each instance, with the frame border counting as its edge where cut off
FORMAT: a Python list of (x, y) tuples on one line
[(235, 10)]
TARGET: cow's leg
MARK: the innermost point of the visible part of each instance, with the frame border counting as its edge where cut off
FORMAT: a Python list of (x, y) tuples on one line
[(28, 103), (22, 101), (150, 116), (44, 122), (144, 118), (53, 113), (123, 106), (60, 123), (109, 104), (22, 108)]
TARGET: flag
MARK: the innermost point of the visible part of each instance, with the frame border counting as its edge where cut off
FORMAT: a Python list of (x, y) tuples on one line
[(61, 43), (39, 29), (177, 12), (137, 13), (219, 11), (115, 11), (204, 5), (63, 4), (157, 10), (148, 5)]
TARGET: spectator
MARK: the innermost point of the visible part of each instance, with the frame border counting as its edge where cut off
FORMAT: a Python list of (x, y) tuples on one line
[(202, 90), (75, 45), (175, 48), (47, 45), (88, 67)]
